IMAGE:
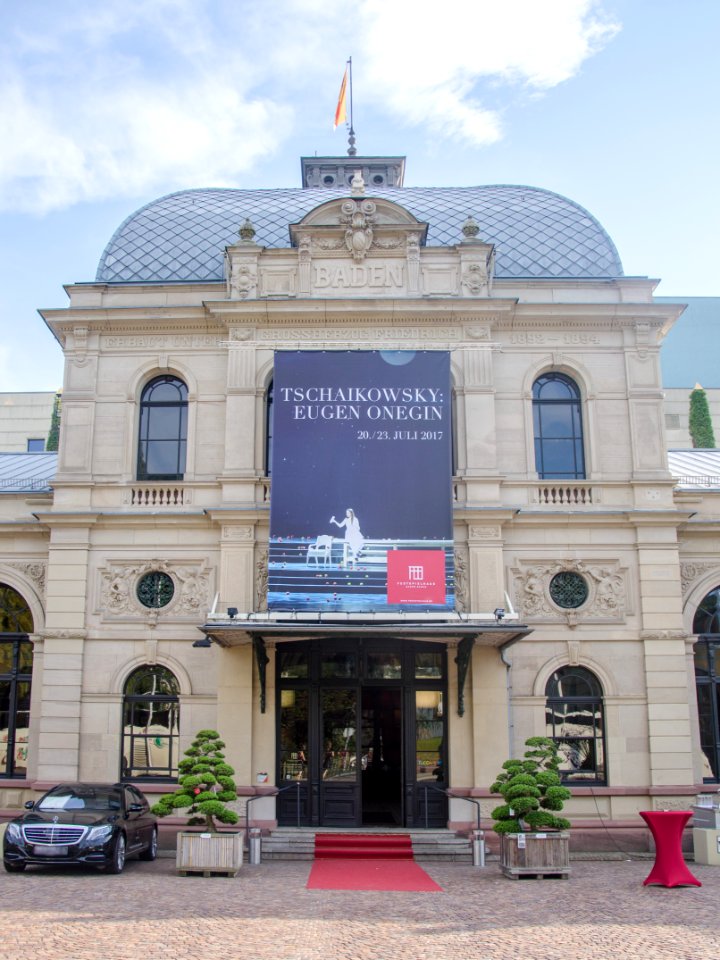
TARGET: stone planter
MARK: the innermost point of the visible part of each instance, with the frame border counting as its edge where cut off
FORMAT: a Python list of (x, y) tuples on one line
[(209, 853), (535, 855)]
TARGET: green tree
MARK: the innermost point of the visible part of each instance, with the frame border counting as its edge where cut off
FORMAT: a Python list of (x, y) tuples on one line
[(53, 439), (701, 428), (205, 784), (531, 789)]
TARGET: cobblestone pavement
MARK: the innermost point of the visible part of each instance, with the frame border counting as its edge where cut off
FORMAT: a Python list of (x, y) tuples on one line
[(149, 913)]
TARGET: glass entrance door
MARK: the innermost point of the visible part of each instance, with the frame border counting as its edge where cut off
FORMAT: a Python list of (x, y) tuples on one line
[(382, 757), (361, 733)]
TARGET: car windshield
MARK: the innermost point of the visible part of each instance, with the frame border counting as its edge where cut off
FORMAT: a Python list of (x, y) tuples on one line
[(81, 798)]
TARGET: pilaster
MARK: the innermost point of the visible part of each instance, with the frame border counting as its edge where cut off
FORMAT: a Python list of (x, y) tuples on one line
[(664, 642), (235, 708)]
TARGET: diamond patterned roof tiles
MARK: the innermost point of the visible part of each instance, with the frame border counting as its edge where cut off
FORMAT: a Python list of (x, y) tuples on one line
[(181, 237)]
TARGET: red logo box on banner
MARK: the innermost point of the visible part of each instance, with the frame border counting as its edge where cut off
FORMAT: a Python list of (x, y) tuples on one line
[(416, 576)]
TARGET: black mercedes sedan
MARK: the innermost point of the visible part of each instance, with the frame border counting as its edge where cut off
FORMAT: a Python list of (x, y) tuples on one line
[(97, 824)]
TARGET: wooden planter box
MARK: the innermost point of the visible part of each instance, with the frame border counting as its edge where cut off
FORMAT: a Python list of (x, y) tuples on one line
[(209, 853), (535, 855)]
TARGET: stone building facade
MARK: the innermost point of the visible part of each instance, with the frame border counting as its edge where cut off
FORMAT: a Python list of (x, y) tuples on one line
[(579, 567)]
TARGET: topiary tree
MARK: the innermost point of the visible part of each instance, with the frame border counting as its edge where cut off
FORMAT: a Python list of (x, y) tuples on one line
[(205, 784), (531, 788), (701, 428)]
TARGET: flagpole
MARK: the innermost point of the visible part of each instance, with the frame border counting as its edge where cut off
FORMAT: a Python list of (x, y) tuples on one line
[(351, 138)]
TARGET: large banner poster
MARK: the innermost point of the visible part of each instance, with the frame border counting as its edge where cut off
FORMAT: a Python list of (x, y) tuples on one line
[(361, 506)]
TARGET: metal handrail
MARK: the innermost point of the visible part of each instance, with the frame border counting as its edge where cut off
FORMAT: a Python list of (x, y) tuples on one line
[(448, 793), (278, 790)]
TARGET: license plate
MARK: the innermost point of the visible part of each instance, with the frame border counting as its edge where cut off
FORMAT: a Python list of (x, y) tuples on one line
[(49, 851)]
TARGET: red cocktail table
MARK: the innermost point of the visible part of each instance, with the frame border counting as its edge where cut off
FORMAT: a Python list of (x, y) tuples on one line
[(666, 827)]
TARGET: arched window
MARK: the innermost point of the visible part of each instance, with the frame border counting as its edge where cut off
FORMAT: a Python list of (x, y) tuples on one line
[(16, 659), (162, 438), (574, 719), (707, 682), (557, 426), (151, 725)]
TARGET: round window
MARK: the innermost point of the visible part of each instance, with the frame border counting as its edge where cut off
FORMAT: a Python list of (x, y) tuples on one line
[(328, 180), (155, 589), (568, 590)]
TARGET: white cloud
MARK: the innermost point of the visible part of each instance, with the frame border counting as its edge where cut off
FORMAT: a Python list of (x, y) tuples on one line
[(453, 46), (138, 95)]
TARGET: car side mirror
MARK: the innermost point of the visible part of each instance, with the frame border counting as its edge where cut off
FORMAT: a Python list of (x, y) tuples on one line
[(135, 808), (29, 804)]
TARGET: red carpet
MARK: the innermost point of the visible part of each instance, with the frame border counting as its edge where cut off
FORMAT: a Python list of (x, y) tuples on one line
[(370, 875), (366, 861), (363, 846)]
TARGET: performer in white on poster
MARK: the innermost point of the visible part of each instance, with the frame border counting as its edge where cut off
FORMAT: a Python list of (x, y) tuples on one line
[(353, 537)]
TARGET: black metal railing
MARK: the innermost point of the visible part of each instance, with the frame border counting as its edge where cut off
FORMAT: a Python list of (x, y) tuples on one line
[(448, 793), (260, 796)]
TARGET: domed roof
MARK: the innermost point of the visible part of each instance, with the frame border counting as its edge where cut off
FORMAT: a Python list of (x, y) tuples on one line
[(181, 237)]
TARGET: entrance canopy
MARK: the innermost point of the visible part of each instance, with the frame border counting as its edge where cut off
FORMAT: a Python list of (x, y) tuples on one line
[(463, 631), (488, 630)]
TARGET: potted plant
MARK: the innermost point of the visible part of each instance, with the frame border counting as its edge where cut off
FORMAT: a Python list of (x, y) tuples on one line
[(533, 840), (205, 787)]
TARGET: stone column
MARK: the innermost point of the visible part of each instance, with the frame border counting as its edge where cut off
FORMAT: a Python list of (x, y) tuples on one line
[(490, 714), (237, 566), (486, 580), (58, 751), (663, 637), (234, 708), (240, 414)]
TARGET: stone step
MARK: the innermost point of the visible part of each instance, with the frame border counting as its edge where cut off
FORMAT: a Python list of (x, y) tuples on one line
[(292, 843)]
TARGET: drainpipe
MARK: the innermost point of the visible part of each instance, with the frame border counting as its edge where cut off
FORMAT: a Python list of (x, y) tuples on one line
[(508, 687)]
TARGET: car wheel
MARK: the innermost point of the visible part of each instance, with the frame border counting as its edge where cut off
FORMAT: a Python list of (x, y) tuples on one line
[(151, 852), (17, 867), (117, 859)]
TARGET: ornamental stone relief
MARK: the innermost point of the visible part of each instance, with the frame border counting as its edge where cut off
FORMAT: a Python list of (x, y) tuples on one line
[(237, 533), (462, 598), (118, 590), (34, 570), (607, 598), (359, 216), (692, 570), (475, 279), (261, 581), (243, 282)]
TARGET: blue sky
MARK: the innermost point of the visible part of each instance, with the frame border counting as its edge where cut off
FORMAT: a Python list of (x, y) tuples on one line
[(105, 107)]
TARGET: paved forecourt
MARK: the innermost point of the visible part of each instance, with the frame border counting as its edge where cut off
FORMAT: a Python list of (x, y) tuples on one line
[(149, 913)]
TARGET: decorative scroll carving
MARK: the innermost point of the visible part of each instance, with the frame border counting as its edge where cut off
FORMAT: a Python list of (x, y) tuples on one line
[(692, 570), (237, 533), (485, 533), (304, 262), (664, 635), (34, 570), (475, 279), (359, 217), (118, 597), (62, 634), (478, 333), (607, 591), (462, 599), (243, 281), (413, 262), (671, 803), (387, 243), (261, 581), (327, 243)]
